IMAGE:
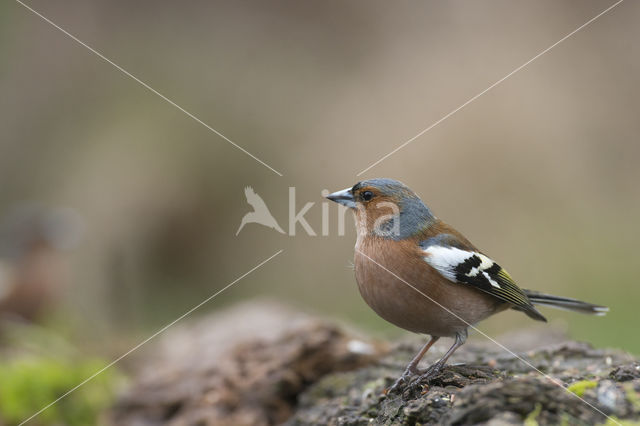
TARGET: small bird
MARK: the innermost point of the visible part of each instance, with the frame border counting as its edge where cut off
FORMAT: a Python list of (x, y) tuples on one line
[(260, 213), (33, 263), (420, 274)]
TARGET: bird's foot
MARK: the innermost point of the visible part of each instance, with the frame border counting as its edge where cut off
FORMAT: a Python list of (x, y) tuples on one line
[(426, 376), (405, 379)]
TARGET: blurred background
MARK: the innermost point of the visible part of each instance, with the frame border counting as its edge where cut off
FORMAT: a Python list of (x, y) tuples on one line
[(118, 212)]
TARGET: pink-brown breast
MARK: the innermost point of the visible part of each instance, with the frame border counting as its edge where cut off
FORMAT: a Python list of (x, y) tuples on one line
[(421, 309)]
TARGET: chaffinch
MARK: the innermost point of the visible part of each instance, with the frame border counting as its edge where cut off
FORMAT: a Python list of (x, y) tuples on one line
[(420, 274)]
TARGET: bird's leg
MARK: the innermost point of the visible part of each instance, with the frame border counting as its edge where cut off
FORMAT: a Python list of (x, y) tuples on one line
[(413, 365), (412, 368), (461, 337)]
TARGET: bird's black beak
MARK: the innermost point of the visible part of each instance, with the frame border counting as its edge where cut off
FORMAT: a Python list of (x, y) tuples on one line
[(344, 197)]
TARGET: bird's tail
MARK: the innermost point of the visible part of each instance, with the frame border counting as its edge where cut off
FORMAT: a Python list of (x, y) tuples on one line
[(565, 303)]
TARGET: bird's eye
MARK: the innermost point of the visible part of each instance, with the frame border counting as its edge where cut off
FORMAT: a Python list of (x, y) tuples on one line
[(367, 195)]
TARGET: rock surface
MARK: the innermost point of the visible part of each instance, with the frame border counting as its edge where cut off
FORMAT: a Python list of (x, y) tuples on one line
[(305, 371), (245, 366), (575, 384)]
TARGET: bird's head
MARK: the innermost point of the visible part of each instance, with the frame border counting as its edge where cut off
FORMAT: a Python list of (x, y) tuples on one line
[(386, 208)]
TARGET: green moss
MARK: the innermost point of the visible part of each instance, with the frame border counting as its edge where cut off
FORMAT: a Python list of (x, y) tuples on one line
[(632, 396), (28, 385), (614, 421), (579, 388), (531, 418)]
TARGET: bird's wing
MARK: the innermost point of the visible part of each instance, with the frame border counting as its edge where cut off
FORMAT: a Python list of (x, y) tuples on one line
[(250, 194), (461, 264), (254, 199)]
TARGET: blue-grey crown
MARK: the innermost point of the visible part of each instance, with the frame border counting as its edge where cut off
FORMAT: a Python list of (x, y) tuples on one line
[(414, 216)]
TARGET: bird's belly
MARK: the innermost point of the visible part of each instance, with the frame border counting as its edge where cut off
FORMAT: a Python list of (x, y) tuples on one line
[(420, 303)]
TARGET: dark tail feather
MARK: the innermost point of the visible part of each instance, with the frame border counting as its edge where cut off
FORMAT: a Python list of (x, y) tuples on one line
[(531, 312), (565, 303)]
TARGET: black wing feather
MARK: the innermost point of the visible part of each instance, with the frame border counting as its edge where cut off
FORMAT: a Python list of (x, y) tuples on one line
[(470, 272)]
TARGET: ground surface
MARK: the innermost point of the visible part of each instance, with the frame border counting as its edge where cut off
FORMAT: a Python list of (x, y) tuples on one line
[(490, 388), (289, 368)]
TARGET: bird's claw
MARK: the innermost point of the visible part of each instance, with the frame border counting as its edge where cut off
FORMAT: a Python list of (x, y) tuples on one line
[(406, 378), (398, 384), (426, 376)]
